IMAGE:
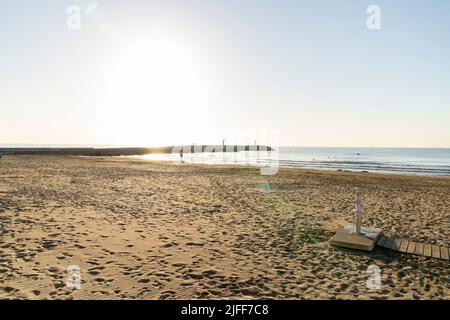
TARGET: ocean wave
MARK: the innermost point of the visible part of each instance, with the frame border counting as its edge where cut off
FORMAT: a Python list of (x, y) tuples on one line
[(416, 162)]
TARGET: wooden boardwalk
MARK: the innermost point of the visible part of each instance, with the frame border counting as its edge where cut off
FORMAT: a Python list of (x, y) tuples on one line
[(417, 248)]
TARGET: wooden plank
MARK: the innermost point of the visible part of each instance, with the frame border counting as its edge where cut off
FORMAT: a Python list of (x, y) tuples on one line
[(397, 244), (381, 241), (435, 251), (389, 242), (411, 247), (419, 249), (427, 250), (444, 253), (404, 246)]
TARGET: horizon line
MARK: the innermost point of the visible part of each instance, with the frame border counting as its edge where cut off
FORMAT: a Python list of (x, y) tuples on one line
[(74, 145)]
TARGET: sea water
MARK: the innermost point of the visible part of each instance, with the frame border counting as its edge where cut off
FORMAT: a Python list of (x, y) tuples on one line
[(417, 161)]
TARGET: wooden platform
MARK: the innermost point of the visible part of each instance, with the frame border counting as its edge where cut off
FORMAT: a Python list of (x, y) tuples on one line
[(347, 238), (417, 248)]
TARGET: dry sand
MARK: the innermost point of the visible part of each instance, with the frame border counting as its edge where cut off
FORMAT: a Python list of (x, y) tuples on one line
[(149, 230)]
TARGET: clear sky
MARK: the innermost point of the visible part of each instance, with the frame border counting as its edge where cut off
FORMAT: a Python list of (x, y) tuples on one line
[(173, 72)]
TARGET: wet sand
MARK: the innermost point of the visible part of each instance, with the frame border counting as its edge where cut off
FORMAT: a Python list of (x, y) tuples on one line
[(153, 230)]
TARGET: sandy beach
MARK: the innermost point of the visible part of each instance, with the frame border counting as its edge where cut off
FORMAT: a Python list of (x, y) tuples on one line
[(154, 230)]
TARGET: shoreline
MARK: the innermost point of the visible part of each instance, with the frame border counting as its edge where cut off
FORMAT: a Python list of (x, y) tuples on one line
[(134, 159), (131, 159), (212, 154)]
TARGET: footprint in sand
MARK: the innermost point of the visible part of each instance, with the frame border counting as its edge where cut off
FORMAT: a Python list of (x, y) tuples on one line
[(36, 292), (144, 280), (9, 289), (194, 244)]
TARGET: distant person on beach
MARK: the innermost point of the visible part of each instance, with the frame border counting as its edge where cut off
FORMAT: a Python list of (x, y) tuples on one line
[(181, 155)]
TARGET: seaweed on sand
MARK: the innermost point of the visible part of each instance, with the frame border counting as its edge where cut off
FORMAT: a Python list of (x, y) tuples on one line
[(299, 230)]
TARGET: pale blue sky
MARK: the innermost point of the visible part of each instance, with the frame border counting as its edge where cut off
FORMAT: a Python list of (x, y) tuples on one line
[(169, 72)]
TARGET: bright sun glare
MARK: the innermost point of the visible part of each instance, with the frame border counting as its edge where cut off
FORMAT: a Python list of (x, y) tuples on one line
[(155, 88)]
